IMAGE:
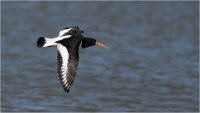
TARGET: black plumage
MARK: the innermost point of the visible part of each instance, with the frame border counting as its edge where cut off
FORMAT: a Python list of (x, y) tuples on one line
[(68, 42)]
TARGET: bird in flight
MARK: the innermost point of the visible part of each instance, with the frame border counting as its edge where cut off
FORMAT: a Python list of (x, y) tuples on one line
[(68, 43)]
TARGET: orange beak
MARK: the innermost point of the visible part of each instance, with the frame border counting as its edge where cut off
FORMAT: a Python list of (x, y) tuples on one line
[(101, 45)]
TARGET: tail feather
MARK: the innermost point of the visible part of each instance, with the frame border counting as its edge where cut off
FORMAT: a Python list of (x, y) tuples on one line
[(45, 42)]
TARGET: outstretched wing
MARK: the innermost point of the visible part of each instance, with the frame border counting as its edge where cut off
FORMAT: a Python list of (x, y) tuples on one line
[(66, 67)]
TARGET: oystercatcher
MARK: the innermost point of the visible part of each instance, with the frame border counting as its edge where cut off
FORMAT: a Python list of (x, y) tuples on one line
[(68, 43)]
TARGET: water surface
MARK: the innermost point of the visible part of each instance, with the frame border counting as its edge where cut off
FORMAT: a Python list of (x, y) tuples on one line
[(151, 64)]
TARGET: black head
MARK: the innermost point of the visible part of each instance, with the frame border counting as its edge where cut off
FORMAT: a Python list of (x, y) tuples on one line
[(87, 42), (71, 31)]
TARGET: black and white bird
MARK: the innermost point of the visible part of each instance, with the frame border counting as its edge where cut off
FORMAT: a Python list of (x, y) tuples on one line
[(68, 43)]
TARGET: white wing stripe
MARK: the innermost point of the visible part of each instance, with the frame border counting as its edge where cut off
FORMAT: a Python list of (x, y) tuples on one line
[(63, 76), (65, 56), (62, 32), (64, 79), (63, 73)]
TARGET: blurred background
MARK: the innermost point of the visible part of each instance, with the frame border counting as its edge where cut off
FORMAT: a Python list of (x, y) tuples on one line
[(152, 63)]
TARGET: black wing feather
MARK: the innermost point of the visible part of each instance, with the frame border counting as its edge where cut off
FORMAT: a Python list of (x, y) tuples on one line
[(68, 79)]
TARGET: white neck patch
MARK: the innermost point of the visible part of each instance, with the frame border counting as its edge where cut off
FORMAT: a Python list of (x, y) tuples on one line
[(80, 46)]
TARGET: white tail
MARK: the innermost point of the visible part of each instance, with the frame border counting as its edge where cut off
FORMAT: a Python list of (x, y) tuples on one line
[(49, 42)]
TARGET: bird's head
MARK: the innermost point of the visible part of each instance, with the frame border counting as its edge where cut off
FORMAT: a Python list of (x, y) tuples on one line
[(87, 42), (71, 31)]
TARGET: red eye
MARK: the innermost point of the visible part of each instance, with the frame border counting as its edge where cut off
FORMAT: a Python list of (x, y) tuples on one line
[(93, 40)]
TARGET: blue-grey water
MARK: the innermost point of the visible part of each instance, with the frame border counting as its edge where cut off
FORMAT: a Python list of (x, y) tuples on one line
[(152, 64)]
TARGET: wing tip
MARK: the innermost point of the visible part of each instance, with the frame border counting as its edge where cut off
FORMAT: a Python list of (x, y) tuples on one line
[(66, 90)]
